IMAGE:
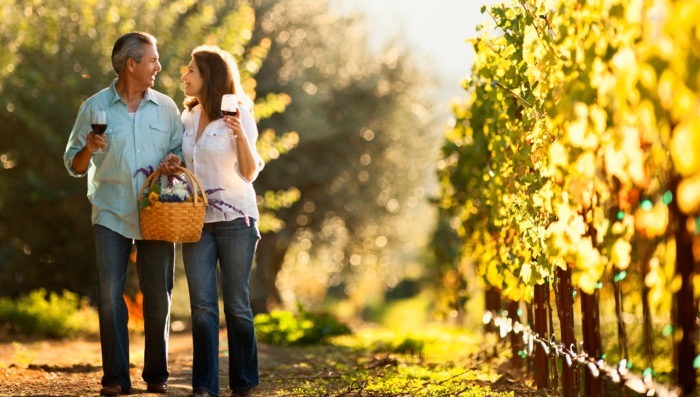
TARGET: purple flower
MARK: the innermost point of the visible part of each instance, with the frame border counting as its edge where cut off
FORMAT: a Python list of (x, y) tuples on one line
[(146, 171)]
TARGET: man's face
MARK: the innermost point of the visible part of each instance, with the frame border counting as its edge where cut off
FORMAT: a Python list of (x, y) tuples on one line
[(146, 70)]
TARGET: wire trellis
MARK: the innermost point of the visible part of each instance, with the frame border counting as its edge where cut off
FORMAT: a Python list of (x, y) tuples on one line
[(620, 374)]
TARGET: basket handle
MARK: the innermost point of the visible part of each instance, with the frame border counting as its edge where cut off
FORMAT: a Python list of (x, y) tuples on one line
[(196, 185)]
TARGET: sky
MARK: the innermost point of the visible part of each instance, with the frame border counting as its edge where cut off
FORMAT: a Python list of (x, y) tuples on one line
[(436, 30)]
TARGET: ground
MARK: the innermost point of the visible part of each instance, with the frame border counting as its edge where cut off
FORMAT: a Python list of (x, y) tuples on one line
[(73, 368)]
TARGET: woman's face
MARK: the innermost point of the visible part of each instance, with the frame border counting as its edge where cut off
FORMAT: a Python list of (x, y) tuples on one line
[(193, 80)]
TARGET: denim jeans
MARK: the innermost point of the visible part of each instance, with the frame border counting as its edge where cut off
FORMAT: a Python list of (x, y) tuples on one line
[(233, 244), (155, 268)]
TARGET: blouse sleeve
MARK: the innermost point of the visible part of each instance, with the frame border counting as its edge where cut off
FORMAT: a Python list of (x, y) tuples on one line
[(251, 131)]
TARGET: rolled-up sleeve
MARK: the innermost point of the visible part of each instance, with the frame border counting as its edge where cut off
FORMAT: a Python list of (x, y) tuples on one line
[(135, 142), (76, 141), (251, 132)]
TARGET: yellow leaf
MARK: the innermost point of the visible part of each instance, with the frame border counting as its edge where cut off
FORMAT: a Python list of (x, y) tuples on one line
[(585, 280), (656, 221), (685, 147), (581, 191), (559, 262), (689, 194), (586, 165), (578, 131), (621, 254), (651, 279), (676, 284), (696, 284), (558, 154), (526, 272)]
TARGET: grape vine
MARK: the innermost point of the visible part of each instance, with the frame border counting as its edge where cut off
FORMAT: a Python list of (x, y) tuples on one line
[(577, 140)]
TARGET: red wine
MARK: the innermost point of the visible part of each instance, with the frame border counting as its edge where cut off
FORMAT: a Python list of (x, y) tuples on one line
[(99, 128), (229, 113)]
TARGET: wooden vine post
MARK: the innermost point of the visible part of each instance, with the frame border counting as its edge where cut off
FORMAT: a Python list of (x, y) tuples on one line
[(565, 310), (646, 251), (493, 305), (685, 311), (541, 329), (590, 321), (516, 340)]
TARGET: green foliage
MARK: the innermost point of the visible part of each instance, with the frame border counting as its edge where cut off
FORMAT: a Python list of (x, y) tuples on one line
[(402, 314), (49, 315), (57, 54), (354, 365), (556, 144), (282, 327), (366, 141), (407, 345), (577, 148)]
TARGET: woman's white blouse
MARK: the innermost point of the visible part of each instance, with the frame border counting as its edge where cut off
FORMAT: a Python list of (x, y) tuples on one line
[(214, 160)]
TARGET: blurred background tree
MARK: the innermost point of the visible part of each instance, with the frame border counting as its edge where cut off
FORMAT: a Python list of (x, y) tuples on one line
[(344, 211), (362, 163), (59, 55)]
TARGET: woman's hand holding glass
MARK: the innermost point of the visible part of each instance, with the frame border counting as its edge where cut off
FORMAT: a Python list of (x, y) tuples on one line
[(231, 114), (234, 123)]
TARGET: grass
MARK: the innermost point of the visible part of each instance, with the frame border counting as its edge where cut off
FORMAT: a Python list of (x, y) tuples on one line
[(376, 361), (401, 353)]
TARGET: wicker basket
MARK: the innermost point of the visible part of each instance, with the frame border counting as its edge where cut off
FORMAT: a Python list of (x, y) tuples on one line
[(174, 222)]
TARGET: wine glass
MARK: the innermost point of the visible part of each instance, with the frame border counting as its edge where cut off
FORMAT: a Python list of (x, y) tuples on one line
[(99, 122), (229, 104)]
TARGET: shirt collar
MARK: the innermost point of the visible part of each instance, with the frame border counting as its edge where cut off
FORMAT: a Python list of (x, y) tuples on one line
[(148, 96)]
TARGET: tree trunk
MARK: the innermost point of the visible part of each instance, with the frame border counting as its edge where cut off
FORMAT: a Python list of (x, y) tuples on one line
[(565, 310), (541, 329), (269, 257)]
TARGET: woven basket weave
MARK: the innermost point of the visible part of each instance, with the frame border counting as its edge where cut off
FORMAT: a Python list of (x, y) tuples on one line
[(174, 222)]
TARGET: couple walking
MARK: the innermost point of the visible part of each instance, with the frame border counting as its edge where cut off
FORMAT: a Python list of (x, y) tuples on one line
[(145, 129)]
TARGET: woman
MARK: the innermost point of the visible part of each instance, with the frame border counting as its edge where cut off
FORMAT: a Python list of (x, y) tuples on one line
[(221, 152)]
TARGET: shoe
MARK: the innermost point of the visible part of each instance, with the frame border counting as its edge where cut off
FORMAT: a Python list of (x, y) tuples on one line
[(111, 390), (242, 393), (201, 393), (160, 388)]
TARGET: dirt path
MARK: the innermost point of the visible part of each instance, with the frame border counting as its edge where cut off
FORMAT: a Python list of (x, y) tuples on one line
[(73, 368)]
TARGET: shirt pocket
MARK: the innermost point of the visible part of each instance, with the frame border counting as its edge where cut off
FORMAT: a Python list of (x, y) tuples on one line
[(160, 134), (218, 140), (116, 135)]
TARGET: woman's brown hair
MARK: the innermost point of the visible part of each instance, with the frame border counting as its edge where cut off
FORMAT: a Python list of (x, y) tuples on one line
[(217, 80)]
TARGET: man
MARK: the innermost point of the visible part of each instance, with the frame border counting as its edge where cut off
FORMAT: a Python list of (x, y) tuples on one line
[(143, 126)]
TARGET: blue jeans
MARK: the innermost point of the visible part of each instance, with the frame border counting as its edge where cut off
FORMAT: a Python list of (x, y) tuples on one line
[(233, 244), (155, 267)]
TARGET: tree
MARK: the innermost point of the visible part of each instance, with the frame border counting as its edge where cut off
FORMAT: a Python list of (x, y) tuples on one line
[(363, 156), (59, 54)]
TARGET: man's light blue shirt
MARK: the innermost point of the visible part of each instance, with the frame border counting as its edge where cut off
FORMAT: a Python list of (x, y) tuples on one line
[(134, 141)]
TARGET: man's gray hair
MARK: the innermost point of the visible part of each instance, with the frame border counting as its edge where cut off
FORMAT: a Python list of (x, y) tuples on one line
[(128, 46)]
